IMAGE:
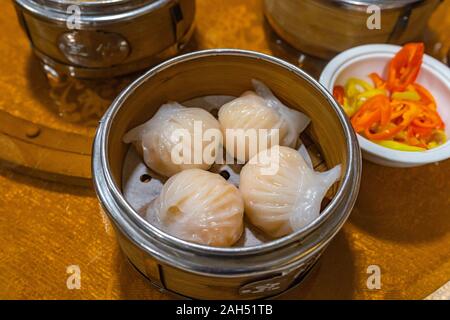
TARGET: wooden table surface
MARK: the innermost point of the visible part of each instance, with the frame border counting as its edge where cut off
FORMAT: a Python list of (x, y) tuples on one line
[(401, 221)]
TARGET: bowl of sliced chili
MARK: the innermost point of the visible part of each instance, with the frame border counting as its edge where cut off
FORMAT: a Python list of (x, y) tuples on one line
[(398, 101)]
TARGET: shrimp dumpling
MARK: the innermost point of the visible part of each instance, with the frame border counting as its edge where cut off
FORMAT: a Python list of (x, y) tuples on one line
[(201, 207), (287, 197), (171, 131), (242, 118)]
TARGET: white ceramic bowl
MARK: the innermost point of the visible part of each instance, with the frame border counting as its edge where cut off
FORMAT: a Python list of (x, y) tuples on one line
[(435, 76)]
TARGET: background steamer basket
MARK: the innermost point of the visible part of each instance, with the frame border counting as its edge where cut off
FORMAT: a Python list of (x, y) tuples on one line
[(198, 271), (324, 28), (105, 38)]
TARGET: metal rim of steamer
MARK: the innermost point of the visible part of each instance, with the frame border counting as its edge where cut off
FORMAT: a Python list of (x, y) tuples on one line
[(93, 13), (299, 280), (140, 231), (361, 5)]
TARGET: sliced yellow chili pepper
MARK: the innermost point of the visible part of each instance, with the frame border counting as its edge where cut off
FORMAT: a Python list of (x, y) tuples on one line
[(406, 95), (364, 96), (349, 109), (355, 86), (398, 145), (439, 137)]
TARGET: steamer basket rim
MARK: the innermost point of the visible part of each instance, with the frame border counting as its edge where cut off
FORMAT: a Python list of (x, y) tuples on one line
[(383, 4), (92, 12)]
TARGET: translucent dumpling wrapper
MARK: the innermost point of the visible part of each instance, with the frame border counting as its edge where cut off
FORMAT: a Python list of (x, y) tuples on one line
[(168, 141), (242, 118), (287, 197), (201, 207)]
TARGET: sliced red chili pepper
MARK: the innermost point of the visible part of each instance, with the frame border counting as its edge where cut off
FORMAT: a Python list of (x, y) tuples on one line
[(405, 66), (419, 132), (374, 110), (425, 96), (414, 141), (409, 113), (338, 94), (383, 134), (378, 82), (386, 112), (403, 117), (427, 119)]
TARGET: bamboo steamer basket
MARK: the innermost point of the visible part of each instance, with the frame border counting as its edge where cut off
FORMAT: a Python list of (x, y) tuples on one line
[(324, 28), (105, 38), (240, 272)]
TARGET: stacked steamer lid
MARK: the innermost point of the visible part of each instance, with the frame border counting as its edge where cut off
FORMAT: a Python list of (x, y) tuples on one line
[(324, 28), (103, 38)]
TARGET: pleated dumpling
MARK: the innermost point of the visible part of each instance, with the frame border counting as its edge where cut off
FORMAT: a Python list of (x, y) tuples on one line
[(201, 207), (259, 110), (286, 197), (171, 130)]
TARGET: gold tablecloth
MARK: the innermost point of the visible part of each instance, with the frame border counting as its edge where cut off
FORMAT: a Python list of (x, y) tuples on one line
[(401, 221)]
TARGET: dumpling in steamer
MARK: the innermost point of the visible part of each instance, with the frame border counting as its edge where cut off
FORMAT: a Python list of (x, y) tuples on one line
[(155, 139), (201, 207), (259, 110), (286, 199)]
